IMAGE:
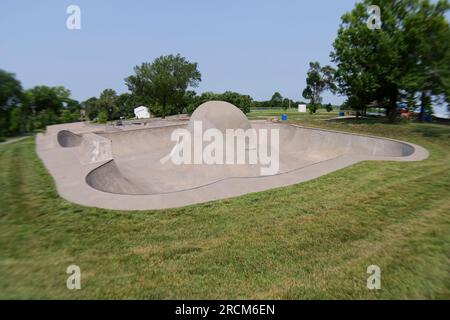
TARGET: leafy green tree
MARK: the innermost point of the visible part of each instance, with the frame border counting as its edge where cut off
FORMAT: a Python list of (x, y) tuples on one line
[(165, 80), (242, 101), (126, 103), (91, 108), (43, 97), (10, 96), (427, 35), (66, 116), (377, 65), (369, 60), (45, 117), (189, 98), (15, 123), (107, 102), (277, 100), (287, 103), (328, 107), (103, 116), (44, 104), (318, 80)]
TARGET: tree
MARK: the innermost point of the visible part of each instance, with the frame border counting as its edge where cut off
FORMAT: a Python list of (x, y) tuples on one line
[(107, 102), (369, 60), (377, 65), (15, 123), (103, 116), (90, 107), (44, 104), (165, 80), (43, 97), (427, 35), (287, 103), (68, 116), (276, 101), (242, 101), (318, 79), (188, 99), (10, 96), (126, 103)]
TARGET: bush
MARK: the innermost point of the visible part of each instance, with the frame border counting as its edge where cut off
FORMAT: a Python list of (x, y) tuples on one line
[(329, 107), (65, 116), (103, 116), (312, 108)]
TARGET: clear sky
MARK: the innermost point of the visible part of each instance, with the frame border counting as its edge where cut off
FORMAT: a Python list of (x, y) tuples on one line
[(255, 47)]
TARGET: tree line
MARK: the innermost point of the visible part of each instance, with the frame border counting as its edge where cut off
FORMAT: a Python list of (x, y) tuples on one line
[(164, 86), (27, 110)]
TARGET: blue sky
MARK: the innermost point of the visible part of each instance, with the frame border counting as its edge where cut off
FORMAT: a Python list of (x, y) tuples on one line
[(253, 47)]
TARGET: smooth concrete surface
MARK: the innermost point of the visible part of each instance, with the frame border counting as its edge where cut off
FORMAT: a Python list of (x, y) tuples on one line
[(121, 168), (68, 139), (219, 115)]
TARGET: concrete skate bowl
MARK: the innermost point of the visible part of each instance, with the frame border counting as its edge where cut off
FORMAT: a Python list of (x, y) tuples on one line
[(304, 153), (68, 139)]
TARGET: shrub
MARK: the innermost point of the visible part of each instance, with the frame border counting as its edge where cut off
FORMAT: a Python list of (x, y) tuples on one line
[(103, 116)]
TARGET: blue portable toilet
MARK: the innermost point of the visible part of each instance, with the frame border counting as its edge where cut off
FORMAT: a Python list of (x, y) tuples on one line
[(284, 117)]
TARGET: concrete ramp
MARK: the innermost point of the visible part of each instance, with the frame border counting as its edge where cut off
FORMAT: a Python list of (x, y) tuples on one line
[(94, 148), (68, 139), (124, 169), (137, 168)]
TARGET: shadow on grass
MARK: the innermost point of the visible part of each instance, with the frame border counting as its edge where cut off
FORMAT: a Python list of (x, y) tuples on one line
[(364, 121), (433, 131)]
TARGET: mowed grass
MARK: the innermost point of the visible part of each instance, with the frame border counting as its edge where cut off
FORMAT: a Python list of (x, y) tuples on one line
[(313, 240), (292, 114)]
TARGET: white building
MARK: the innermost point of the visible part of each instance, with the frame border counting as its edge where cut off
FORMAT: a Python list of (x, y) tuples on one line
[(302, 108), (141, 112)]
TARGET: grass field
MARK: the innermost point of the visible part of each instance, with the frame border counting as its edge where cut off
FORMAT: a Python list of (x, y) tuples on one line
[(313, 240)]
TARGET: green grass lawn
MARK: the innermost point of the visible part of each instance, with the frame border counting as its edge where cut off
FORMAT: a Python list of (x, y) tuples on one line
[(292, 114), (313, 240)]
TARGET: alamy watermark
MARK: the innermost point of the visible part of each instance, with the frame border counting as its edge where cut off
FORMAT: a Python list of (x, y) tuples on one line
[(374, 20), (73, 21), (232, 147), (374, 280), (74, 280)]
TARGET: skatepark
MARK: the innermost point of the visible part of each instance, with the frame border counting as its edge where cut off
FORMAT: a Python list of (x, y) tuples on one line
[(120, 167)]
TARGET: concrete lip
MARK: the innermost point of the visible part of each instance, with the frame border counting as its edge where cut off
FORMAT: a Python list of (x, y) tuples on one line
[(121, 169)]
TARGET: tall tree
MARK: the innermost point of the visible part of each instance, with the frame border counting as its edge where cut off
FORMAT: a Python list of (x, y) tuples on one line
[(318, 80), (378, 64), (44, 104), (126, 103), (41, 98), (165, 80), (107, 103), (277, 100), (10, 96), (90, 107), (427, 36)]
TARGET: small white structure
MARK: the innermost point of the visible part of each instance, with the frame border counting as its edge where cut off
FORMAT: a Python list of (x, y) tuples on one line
[(141, 112), (302, 108)]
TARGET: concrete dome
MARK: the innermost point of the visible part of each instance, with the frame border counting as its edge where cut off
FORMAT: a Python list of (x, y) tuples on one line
[(219, 115)]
